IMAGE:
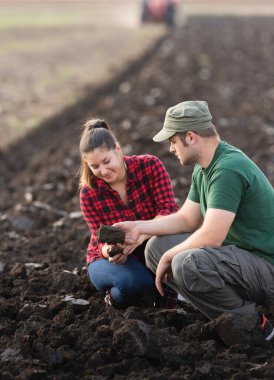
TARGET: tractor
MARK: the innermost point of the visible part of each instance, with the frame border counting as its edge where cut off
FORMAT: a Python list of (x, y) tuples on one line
[(159, 11)]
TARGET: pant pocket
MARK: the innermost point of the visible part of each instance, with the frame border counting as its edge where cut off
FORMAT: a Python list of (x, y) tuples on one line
[(232, 266), (200, 274)]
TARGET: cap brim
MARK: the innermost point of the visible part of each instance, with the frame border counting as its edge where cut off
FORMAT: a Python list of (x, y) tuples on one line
[(163, 135)]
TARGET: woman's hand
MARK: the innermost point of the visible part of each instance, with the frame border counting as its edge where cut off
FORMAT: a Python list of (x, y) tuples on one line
[(120, 258)]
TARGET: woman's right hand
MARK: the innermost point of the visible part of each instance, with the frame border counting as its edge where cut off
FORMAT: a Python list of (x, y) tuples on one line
[(119, 258)]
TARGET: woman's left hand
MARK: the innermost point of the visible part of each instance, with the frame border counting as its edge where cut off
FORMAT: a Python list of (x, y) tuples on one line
[(120, 258)]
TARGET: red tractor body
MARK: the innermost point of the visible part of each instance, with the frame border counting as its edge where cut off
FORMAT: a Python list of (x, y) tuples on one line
[(159, 11)]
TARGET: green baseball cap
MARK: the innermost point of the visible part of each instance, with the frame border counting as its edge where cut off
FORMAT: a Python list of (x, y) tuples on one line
[(187, 116)]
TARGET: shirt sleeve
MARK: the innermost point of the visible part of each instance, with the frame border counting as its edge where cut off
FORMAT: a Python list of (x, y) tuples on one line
[(163, 196), (93, 221), (193, 193), (226, 191)]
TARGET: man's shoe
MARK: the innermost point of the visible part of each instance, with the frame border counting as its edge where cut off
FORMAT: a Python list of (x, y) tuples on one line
[(267, 327)]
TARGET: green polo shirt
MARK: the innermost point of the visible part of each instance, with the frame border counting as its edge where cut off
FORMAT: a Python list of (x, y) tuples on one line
[(234, 183)]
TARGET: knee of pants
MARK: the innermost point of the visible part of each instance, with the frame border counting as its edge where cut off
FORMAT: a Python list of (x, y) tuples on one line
[(179, 267), (192, 270), (136, 284), (153, 252), (134, 279), (124, 292)]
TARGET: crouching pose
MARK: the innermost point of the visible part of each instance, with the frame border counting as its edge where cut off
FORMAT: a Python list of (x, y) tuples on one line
[(218, 249)]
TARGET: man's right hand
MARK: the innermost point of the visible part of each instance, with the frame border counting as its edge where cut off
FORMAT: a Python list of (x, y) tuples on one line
[(131, 230)]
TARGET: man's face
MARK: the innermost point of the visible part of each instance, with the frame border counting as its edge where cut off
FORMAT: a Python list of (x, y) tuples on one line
[(182, 149)]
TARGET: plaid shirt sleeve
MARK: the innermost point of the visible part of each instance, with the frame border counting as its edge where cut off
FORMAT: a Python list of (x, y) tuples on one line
[(93, 220), (163, 196)]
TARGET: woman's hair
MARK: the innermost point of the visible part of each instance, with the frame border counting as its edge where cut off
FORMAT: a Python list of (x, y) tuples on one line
[(96, 134)]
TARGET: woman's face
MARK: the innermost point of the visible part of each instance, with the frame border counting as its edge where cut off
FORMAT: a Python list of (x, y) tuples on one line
[(107, 165)]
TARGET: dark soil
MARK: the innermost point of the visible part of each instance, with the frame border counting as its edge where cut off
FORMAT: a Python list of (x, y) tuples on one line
[(53, 325)]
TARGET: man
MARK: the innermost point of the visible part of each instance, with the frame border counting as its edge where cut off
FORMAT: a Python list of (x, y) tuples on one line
[(218, 249)]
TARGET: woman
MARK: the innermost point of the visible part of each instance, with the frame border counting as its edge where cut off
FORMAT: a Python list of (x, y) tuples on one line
[(116, 188)]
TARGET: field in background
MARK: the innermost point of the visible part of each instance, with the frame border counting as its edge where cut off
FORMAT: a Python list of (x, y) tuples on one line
[(52, 52), (228, 7), (14, 14)]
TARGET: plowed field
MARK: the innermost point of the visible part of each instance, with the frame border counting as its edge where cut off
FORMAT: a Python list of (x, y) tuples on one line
[(53, 325)]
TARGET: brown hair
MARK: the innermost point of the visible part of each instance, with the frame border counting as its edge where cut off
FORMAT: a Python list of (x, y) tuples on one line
[(208, 132), (96, 134)]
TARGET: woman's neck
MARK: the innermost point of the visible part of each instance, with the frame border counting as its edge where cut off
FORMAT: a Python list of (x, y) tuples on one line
[(122, 177)]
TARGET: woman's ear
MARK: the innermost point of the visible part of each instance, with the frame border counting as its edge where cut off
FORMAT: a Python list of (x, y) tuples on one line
[(118, 148)]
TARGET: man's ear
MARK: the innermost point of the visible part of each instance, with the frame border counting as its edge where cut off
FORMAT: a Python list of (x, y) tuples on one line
[(191, 137)]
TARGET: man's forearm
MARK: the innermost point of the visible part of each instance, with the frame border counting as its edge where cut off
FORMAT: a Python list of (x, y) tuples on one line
[(200, 238), (166, 225)]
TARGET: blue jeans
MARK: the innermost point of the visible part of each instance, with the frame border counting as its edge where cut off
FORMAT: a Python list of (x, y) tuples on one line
[(127, 283)]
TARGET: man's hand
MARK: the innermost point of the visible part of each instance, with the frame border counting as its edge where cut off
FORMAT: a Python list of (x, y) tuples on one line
[(163, 271), (131, 247), (131, 230)]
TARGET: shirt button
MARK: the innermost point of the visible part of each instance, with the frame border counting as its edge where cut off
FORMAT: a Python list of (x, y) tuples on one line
[(130, 200)]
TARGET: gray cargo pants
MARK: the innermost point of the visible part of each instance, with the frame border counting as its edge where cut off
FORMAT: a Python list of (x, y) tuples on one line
[(216, 280)]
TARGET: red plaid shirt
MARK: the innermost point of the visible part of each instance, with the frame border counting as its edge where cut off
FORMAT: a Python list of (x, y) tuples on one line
[(149, 193)]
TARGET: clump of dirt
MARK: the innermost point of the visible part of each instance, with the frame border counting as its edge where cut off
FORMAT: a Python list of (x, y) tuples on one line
[(53, 324)]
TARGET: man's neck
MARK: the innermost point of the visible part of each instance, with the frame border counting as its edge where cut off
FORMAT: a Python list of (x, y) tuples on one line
[(207, 152)]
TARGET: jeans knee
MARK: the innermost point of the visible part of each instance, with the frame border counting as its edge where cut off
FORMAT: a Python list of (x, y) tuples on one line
[(132, 289), (138, 284)]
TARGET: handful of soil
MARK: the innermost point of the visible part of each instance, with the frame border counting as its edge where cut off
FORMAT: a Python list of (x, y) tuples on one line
[(111, 235), (112, 251)]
